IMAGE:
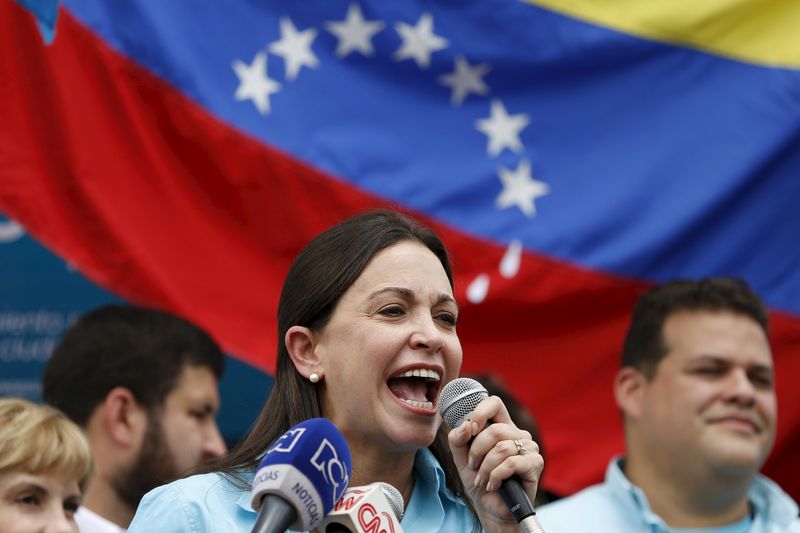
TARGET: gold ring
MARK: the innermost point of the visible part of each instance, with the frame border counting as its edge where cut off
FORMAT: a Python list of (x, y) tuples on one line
[(521, 450)]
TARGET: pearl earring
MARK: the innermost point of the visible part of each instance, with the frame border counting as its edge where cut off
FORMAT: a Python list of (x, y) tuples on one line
[(314, 377)]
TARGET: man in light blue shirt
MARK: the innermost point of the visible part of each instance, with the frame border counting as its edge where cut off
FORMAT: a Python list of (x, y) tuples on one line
[(696, 392)]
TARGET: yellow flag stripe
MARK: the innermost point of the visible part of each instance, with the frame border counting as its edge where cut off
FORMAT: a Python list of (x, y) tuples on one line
[(765, 32)]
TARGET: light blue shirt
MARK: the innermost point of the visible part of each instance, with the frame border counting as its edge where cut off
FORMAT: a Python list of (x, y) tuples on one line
[(211, 503), (618, 506)]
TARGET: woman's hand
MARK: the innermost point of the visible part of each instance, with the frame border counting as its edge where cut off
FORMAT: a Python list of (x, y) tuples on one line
[(485, 456)]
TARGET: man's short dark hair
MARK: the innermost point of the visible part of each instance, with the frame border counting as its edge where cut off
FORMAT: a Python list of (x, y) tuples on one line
[(143, 350), (644, 343)]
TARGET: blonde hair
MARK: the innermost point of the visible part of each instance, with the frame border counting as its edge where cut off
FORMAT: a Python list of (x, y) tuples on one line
[(41, 440)]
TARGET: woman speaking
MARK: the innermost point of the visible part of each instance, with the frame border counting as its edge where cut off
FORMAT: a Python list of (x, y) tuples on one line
[(367, 338)]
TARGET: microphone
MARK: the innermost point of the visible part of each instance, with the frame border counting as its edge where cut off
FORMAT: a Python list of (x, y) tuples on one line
[(301, 477), (456, 402), (377, 507)]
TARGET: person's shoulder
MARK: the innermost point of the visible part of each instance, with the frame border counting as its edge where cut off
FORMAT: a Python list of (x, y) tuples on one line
[(774, 508), (197, 486), (577, 513), (590, 495), (187, 504), (209, 481), (793, 526)]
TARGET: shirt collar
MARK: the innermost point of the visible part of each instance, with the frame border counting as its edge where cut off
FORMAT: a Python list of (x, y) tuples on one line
[(630, 496), (426, 509), (770, 504), (427, 468), (245, 499)]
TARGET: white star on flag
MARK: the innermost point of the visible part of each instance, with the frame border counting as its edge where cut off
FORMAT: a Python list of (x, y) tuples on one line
[(253, 82), (295, 48), (419, 41), (502, 129), (354, 33), (465, 79), (520, 189), (10, 231)]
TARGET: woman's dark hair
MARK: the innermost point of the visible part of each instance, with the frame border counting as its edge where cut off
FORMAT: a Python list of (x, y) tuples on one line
[(318, 278)]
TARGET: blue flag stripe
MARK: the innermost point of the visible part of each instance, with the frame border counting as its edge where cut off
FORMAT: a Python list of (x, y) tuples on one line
[(659, 161)]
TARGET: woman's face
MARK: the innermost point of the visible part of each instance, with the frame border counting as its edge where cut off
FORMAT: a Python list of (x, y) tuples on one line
[(389, 346), (38, 503)]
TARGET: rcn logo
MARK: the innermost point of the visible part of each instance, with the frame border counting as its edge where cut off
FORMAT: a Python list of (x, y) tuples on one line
[(333, 470)]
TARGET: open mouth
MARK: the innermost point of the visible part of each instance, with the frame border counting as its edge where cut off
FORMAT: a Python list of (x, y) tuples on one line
[(418, 387)]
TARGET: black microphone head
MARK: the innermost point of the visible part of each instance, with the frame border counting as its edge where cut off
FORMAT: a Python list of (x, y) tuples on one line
[(459, 398), (394, 498)]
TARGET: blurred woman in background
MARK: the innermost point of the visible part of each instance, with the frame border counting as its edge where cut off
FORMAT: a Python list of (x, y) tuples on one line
[(45, 466)]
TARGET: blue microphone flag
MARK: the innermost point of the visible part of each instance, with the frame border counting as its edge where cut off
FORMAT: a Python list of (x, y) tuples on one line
[(308, 466)]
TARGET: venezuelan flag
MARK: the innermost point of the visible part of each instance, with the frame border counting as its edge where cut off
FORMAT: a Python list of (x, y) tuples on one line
[(570, 152)]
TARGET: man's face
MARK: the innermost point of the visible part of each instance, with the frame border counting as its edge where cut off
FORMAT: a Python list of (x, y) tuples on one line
[(180, 435), (711, 402), (188, 419)]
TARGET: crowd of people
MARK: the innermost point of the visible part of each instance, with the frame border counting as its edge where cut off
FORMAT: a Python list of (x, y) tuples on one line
[(143, 385), (367, 319)]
